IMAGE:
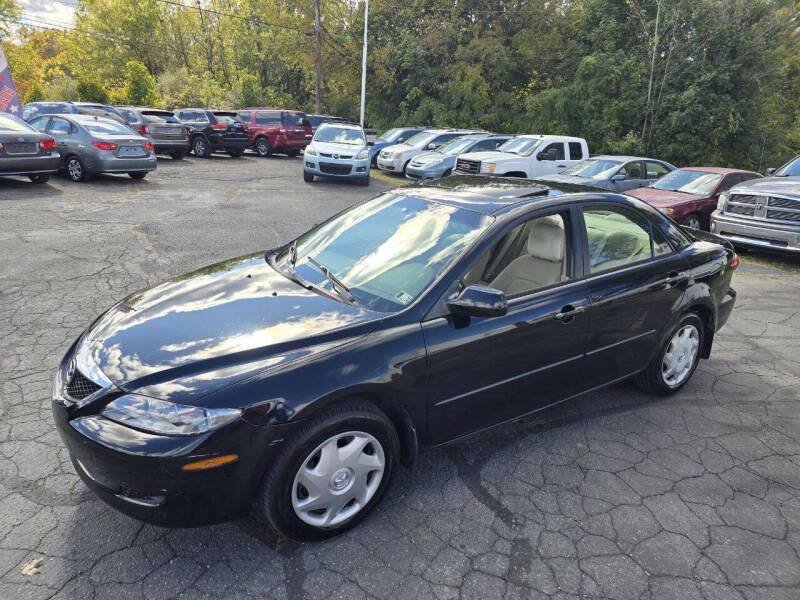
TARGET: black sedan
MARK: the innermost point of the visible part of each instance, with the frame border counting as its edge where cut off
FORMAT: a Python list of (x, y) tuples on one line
[(299, 378), (25, 151)]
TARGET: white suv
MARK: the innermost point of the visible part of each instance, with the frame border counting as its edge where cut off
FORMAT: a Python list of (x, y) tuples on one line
[(395, 158), (527, 156)]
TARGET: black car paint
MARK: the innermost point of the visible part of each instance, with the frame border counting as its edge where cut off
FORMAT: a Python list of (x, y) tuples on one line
[(439, 376), (231, 139)]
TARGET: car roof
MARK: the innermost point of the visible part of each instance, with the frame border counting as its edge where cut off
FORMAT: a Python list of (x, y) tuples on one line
[(720, 170), (79, 118), (550, 137), (623, 157), (343, 124)]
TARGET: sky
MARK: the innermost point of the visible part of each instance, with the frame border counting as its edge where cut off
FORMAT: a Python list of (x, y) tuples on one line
[(53, 13)]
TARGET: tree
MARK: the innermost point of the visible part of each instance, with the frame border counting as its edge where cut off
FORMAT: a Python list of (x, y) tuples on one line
[(139, 88), (35, 93), (9, 14), (92, 91)]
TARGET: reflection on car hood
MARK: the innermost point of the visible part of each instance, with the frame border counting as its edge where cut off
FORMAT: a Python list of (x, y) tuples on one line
[(573, 179), (775, 185), (489, 156), (204, 330), (426, 158), (656, 197), (337, 148), (398, 148)]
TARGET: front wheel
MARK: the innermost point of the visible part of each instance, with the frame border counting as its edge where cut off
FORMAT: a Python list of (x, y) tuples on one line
[(331, 473), (363, 181), (39, 178), (676, 360), (693, 220), (200, 148), (308, 177)]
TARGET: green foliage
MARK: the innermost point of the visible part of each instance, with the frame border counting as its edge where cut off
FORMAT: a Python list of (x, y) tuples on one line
[(61, 87), (9, 13), (91, 91), (139, 88), (35, 93)]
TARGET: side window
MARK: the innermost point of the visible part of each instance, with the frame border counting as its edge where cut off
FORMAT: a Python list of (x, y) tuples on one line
[(445, 138), (553, 151), (268, 117), (484, 145), (244, 117), (655, 170), (201, 117), (531, 256), (730, 181), (40, 124), (631, 170), (575, 151), (661, 246), (59, 127), (616, 237)]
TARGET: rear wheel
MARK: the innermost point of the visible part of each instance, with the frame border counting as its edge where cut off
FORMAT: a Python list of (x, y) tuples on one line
[(675, 362), (178, 154), (39, 178), (138, 175), (308, 177), (263, 148), (692, 220), (331, 473), (200, 147), (75, 168), (236, 152)]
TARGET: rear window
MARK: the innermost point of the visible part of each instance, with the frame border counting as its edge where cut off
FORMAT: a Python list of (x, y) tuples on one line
[(159, 117), (129, 115), (30, 111), (105, 126), (294, 119), (268, 117), (226, 120), (11, 123)]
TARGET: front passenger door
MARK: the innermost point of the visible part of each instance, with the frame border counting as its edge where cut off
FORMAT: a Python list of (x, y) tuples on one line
[(631, 176)]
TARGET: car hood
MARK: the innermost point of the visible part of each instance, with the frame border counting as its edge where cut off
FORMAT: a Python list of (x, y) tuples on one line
[(573, 180), (657, 197), (334, 148), (426, 158), (196, 333), (770, 185), (490, 156), (395, 148)]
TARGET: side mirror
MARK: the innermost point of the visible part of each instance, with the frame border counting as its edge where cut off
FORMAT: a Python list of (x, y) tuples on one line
[(432, 146), (618, 177), (770, 171), (479, 301), (370, 143)]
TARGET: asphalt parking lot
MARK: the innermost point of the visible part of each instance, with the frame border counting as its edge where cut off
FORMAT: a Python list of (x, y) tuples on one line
[(618, 495)]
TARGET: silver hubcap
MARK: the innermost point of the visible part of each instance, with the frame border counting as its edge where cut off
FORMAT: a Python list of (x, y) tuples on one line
[(680, 355), (74, 169), (262, 147), (338, 479), (199, 147), (693, 222)]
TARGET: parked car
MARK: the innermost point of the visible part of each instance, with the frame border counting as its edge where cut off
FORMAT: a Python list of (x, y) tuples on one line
[(25, 151), (317, 120), (214, 131), (689, 195), (527, 156), (442, 161), (89, 145), (395, 158), (300, 378), (276, 130), (763, 213), (36, 109), (337, 150), (396, 135), (167, 133), (614, 173)]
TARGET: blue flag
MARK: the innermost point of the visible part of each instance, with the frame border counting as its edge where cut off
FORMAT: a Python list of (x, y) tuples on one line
[(9, 101)]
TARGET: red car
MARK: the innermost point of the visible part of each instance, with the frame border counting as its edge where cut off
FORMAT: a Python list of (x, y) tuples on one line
[(689, 195), (276, 130)]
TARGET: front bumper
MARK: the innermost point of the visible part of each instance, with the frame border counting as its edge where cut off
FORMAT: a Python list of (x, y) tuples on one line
[(757, 234), (426, 172), (115, 164), (329, 167), (30, 165), (395, 165), (141, 473)]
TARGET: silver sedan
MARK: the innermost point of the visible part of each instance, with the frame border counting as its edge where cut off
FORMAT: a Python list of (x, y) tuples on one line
[(91, 145)]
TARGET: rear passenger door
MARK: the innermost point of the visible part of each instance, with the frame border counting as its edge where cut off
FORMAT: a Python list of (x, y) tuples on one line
[(636, 280)]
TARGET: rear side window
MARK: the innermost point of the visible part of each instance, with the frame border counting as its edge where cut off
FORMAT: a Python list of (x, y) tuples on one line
[(294, 119), (40, 123), (616, 237), (245, 117), (268, 117), (575, 151), (59, 127), (655, 170), (130, 116), (200, 116), (671, 232)]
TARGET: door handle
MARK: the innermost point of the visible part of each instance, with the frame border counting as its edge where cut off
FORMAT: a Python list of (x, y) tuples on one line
[(674, 278), (568, 313), (562, 166)]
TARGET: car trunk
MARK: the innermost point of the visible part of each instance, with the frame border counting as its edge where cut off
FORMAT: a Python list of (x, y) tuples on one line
[(18, 144), (164, 126), (128, 147), (230, 127)]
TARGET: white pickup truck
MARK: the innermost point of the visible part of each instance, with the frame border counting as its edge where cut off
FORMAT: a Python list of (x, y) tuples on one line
[(528, 156)]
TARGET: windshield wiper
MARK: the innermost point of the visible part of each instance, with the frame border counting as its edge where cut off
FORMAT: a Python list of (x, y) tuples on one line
[(293, 253), (338, 286)]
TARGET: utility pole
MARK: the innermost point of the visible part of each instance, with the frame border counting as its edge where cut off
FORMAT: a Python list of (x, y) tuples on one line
[(652, 68), (317, 58), (364, 63)]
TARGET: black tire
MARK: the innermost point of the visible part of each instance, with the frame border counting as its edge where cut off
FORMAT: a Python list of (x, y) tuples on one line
[(293, 153), (200, 147), (178, 154), (75, 168), (651, 379), (363, 181), (236, 152), (138, 175), (39, 178), (693, 220), (405, 166), (308, 177), (275, 496), (262, 147), (447, 173)]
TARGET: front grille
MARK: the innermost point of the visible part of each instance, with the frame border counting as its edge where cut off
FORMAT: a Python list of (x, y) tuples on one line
[(744, 198), (784, 203), (79, 387), (736, 209), (335, 169), (338, 156), (784, 215), (472, 167)]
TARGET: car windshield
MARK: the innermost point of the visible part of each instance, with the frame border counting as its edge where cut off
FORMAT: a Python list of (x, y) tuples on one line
[(340, 135), (791, 169), (456, 146), (391, 135), (421, 139), (11, 123), (106, 127), (388, 250), (520, 145), (688, 182), (594, 168)]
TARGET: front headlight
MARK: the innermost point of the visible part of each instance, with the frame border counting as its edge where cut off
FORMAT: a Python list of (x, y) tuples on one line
[(487, 167), (722, 200), (167, 418), (363, 154), (434, 163), (667, 211), (310, 150)]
